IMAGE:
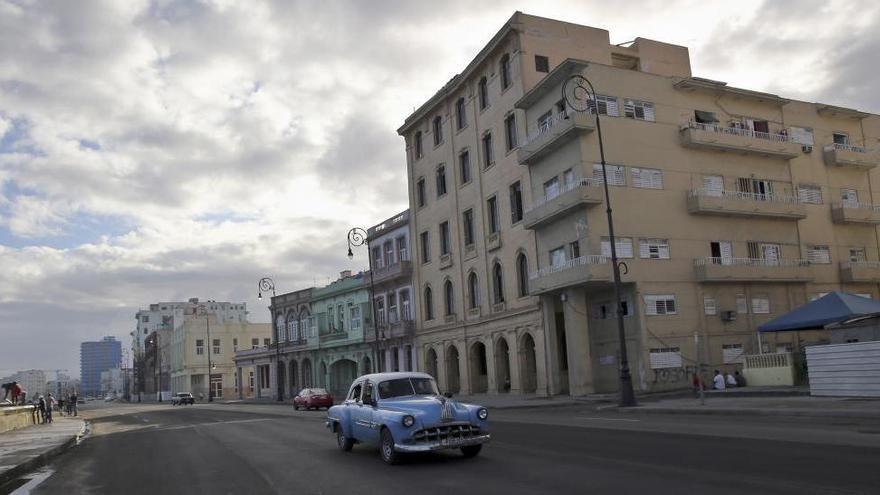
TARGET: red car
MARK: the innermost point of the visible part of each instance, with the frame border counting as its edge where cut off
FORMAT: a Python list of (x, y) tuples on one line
[(313, 398)]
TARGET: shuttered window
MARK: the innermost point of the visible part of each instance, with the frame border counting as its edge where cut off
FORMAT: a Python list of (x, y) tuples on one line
[(665, 357), (713, 185), (660, 305), (616, 174), (801, 135), (741, 305), (810, 194), (760, 305), (649, 178), (819, 254), (639, 110), (850, 197), (657, 249), (623, 245), (709, 306), (732, 353), (607, 105)]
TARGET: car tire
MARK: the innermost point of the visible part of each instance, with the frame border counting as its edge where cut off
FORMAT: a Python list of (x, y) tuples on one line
[(386, 448), (471, 450), (343, 442)]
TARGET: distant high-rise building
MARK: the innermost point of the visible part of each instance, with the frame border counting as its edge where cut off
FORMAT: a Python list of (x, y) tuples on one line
[(95, 357)]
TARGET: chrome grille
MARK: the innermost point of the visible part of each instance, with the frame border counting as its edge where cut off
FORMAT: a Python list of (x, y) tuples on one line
[(459, 431)]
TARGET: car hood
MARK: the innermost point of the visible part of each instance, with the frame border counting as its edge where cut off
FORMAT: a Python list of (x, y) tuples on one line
[(428, 410)]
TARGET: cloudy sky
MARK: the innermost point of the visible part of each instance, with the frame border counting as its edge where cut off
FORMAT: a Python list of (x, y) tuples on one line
[(156, 151)]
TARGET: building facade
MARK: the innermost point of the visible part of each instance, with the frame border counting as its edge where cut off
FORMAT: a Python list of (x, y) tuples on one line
[(95, 357), (731, 207)]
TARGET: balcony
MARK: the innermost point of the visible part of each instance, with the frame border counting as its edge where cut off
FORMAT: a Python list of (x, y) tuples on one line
[(392, 271), (752, 270), (581, 192), (553, 134), (855, 213), (860, 271), (493, 241), (709, 136), (394, 329), (846, 155), (734, 203), (574, 272), (333, 336)]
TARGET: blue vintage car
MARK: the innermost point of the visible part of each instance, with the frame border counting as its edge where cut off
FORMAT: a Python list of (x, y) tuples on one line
[(404, 412)]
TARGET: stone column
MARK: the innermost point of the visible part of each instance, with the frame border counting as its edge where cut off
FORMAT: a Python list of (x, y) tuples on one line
[(401, 357), (415, 357), (551, 345), (491, 379), (389, 360), (577, 338), (239, 382), (513, 357)]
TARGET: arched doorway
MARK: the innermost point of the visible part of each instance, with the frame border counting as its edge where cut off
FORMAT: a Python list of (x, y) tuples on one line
[(307, 380), (479, 369), (527, 365), (366, 366), (453, 379), (431, 363), (502, 366), (342, 373), (294, 383)]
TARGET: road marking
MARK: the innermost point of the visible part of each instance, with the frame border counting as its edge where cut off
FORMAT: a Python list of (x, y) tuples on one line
[(609, 419)]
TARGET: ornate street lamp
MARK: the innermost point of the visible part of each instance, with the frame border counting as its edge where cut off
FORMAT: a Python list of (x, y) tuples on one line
[(265, 285), (580, 96), (358, 237)]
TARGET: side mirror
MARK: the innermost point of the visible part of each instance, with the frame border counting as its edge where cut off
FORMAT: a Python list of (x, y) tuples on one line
[(448, 395)]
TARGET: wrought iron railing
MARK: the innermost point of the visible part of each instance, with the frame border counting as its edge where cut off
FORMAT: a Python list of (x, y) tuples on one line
[(593, 259)]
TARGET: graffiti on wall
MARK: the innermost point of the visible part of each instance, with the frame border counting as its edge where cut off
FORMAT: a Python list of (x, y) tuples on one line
[(674, 375)]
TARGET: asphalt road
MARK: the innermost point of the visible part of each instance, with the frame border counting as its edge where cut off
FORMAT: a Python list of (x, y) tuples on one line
[(270, 449)]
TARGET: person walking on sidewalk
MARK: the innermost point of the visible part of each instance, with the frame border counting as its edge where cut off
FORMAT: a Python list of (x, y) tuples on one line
[(50, 404), (41, 407), (718, 381), (61, 406), (72, 405)]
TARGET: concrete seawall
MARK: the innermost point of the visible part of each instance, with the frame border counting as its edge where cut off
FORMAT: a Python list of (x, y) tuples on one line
[(14, 417)]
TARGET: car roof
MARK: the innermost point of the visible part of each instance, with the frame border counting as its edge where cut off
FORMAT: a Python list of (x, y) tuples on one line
[(376, 377)]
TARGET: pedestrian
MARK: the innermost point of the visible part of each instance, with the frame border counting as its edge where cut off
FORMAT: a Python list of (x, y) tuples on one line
[(718, 381), (41, 406), (731, 381), (7, 389), (73, 404), (740, 379), (17, 397), (698, 384), (50, 404), (61, 406)]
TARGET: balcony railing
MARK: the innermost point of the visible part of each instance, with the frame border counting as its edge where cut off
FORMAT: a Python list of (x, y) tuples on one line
[(402, 268), (721, 269), (842, 155), (860, 271), (572, 272), (714, 202), (848, 212), (848, 147), (552, 133), (777, 145), (547, 207)]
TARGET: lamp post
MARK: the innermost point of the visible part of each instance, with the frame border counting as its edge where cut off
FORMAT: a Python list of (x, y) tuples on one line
[(203, 310), (158, 365), (358, 237), (264, 285), (580, 96)]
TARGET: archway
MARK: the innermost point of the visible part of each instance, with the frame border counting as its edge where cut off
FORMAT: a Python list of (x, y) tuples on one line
[(294, 383), (342, 374), (307, 379), (502, 366), (431, 363), (453, 380), (527, 364), (479, 369)]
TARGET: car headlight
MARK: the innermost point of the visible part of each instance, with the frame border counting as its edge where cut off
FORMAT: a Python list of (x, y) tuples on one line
[(483, 413), (408, 421)]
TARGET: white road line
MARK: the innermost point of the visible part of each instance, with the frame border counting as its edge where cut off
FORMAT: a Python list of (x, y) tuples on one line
[(609, 419)]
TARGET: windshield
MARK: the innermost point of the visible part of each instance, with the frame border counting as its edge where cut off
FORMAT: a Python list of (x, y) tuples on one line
[(319, 391), (407, 386)]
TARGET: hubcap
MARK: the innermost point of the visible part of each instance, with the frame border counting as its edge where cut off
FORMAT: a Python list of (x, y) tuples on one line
[(387, 448)]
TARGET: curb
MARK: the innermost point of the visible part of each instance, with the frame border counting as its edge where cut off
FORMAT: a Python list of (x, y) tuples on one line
[(40, 460), (804, 413)]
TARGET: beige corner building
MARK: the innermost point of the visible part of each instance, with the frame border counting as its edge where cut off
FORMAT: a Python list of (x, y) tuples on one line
[(731, 207)]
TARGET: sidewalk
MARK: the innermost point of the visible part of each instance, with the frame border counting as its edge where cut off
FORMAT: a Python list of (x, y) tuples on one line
[(26, 449), (731, 405)]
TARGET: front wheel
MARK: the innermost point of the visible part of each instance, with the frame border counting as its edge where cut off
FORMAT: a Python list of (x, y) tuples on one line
[(471, 450), (389, 455), (343, 442)]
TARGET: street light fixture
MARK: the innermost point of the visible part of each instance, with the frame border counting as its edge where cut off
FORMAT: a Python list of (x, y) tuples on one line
[(580, 96), (265, 285), (358, 237)]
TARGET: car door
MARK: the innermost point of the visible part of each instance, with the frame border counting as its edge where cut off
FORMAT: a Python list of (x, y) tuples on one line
[(362, 416)]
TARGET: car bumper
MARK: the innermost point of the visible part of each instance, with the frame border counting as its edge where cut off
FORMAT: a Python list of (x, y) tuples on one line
[(452, 444)]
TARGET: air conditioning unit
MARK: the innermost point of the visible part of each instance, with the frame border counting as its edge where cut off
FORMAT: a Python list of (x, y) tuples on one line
[(807, 148), (728, 316)]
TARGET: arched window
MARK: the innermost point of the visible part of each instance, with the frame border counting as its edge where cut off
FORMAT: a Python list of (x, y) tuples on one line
[(280, 328), (505, 71), (460, 115), (438, 130), (498, 283), (429, 304), (522, 274), (474, 291), (417, 144), (449, 300), (483, 91)]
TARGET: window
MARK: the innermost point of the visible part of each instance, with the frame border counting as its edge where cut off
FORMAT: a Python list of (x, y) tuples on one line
[(606, 105), (574, 250), (761, 189), (639, 110), (660, 305), (623, 246), (429, 304), (819, 254), (389, 253), (849, 198), (146, 319), (704, 117), (420, 192), (448, 299), (516, 204), (655, 249), (557, 257), (251, 379), (732, 353), (200, 347), (602, 311), (255, 343), (418, 145), (464, 166), (340, 317), (742, 306), (234, 345), (760, 305), (545, 121), (648, 178), (801, 135), (488, 152), (498, 283), (483, 91), (473, 291), (505, 71), (713, 185), (438, 130), (405, 313), (665, 357), (522, 275), (616, 174), (468, 224), (492, 206), (392, 307), (424, 240), (510, 131), (551, 188), (561, 107), (709, 306), (402, 251), (857, 254), (377, 257), (441, 180), (380, 310), (216, 346), (355, 317), (460, 115), (840, 138), (810, 194), (444, 238), (568, 179), (542, 63)]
